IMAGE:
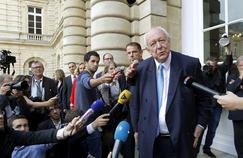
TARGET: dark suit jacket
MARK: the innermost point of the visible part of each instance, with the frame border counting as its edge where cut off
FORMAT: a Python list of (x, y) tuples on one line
[(50, 87), (185, 108), (237, 88), (68, 89), (47, 124)]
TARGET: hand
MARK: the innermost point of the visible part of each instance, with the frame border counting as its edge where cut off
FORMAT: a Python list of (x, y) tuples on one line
[(72, 127), (100, 121), (106, 78), (229, 101), (228, 49), (52, 101), (197, 133), (109, 156), (130, 72), (4, 89)]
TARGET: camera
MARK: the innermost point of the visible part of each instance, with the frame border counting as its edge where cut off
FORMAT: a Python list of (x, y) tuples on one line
[(6, 60), (208, 69), (21, 86)]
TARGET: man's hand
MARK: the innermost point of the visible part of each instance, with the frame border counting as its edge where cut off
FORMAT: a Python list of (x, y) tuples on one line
[(106, 78), (72, 127), (52, 101), (130, 72), (197, 133), (228, 49), (100, 121), (229, 101), (4, 89)]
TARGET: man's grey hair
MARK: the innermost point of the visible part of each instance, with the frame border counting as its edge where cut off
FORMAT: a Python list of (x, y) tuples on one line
[(156, 28), (239, 59)]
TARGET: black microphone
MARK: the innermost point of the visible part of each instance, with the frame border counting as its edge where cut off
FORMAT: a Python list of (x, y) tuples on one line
[(189, 82), (120, 136)]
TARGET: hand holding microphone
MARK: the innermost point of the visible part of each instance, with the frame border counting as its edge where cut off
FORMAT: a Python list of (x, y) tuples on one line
[(123, 98), (120, 137), (118, 70), (100, 121), (130, 72)]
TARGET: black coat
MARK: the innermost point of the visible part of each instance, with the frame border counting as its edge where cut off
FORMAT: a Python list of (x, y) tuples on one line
[(235, 85)]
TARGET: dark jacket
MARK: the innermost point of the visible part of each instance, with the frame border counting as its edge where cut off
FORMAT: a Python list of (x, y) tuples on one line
[(235, 85), (185, 107)]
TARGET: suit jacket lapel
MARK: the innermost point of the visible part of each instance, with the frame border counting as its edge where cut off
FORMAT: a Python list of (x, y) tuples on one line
[(175, 73), (153, 83)]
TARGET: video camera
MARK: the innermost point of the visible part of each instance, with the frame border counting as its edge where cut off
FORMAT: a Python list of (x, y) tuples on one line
[(6, 60)]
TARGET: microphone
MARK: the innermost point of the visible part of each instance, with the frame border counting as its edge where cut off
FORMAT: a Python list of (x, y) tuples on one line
[(134, 64), (123, 98), (120, 137), (224, 40), (117, 70), (189, 82), (97, 106)]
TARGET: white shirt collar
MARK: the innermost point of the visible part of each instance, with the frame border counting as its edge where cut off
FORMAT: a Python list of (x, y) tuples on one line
[(166, 64), (38, 80)]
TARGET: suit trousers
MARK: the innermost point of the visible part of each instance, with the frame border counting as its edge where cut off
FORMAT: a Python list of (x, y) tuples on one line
[(163, 147), (238, 134)]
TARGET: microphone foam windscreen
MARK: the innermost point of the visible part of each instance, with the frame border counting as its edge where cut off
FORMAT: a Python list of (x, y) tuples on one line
[(188, 81), (122, 131), (98, 105), (124, 96)]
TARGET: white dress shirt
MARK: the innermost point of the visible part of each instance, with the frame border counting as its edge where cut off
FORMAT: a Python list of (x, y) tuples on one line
[(162, 111)]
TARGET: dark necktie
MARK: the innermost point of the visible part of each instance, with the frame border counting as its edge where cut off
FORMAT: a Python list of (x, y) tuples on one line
[(39, 89)]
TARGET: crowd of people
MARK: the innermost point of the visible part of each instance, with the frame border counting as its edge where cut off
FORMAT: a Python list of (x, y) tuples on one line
[(167, 118)]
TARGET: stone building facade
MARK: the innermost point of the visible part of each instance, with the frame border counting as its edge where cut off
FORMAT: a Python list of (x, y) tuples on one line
[(59, 31)]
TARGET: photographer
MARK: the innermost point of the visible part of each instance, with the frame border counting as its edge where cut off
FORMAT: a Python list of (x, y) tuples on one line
[(214, 76), (22, 105), (15, 101)]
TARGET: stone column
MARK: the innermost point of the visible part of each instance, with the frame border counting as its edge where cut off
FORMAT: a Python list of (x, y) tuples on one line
[(74, 32), (110, 28)]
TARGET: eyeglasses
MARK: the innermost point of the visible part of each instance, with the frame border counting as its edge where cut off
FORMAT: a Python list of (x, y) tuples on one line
[(37, 67), (108, 58)]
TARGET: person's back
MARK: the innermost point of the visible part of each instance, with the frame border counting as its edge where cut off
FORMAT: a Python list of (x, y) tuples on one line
[(35, 151)]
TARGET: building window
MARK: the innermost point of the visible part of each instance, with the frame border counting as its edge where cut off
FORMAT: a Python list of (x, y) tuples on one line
[(34, 20), (222, 16)]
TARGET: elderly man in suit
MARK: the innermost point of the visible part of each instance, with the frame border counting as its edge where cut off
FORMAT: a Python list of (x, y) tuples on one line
[(167, 116)]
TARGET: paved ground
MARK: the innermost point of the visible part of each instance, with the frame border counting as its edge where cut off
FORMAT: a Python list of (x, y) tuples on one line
[(218, 154)]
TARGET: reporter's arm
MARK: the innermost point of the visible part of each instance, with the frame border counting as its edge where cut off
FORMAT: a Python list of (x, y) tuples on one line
[(48, 103)]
